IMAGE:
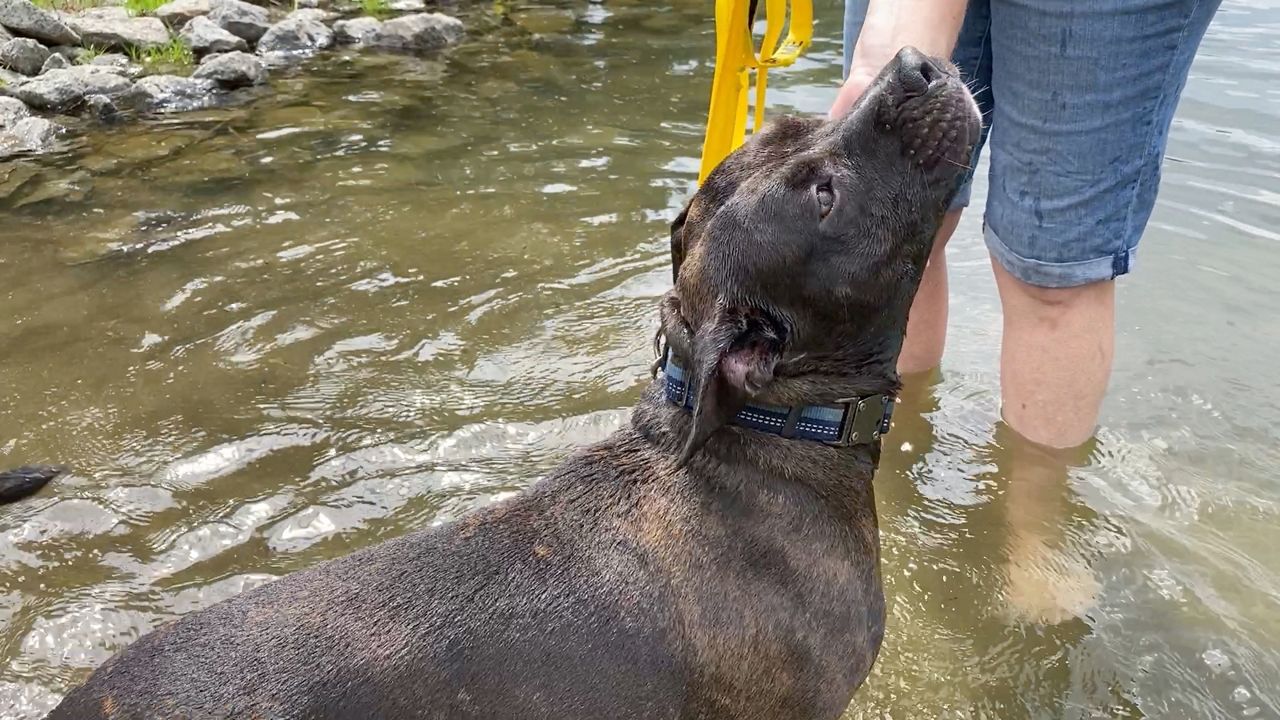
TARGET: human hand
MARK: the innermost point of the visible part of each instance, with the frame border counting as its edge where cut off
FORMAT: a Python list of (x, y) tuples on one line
[(891, 25), (850, 91)]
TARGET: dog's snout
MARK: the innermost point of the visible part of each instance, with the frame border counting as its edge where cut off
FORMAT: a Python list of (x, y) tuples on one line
[(917, 72), (931, 72), (924, 102)]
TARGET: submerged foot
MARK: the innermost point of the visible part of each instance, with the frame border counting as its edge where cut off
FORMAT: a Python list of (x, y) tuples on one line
[(1046, 586)]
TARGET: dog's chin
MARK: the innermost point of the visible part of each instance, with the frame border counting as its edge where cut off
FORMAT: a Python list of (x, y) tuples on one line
[(939, 132)]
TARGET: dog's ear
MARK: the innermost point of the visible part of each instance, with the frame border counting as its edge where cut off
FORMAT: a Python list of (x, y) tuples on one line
[(677, 241), (734, 355)]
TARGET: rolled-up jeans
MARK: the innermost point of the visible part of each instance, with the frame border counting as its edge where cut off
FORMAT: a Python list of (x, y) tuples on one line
[(1077, 98)]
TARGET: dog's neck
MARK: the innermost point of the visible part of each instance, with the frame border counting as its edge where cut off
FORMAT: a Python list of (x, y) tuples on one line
[(839, 477)]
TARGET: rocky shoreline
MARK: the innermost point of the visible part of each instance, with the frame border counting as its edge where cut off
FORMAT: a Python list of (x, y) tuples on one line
[(106, 63)]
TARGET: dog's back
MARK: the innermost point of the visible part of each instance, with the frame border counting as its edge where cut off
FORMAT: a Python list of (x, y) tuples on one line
[(589, 597), (499, 615)]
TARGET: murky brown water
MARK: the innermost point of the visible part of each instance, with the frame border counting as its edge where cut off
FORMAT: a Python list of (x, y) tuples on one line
[(393, 290)]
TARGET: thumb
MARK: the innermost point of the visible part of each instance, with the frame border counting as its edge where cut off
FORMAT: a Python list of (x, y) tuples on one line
[(850, 91)]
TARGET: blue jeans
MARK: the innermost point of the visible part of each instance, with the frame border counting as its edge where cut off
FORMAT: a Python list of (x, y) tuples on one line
[(1078, 96)]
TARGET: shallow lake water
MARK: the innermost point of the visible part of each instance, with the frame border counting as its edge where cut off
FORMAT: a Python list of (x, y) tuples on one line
[(391, 290)]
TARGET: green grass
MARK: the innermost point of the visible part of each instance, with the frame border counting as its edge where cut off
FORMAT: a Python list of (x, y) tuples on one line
[(175, 52), (142, 7), (374, 8), (88, 55), (67, 5)]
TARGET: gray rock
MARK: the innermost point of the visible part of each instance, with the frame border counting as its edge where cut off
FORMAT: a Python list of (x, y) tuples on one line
[(112, 32), (117, 63), (204, 37), (101, 108), (12, 110), (356, 30), (241, 19), (31, 134), (23, 55), (93, 73), (419, 32), (5, 35), (55, 62), (178, 13), (64, 89), (55, 90), (70, 52), (232, 70), (23, 18), (37, 131), (9, 77), (110, 60), (296, 36), (102, 12), (170, 93), (406, 5), (312, 14)]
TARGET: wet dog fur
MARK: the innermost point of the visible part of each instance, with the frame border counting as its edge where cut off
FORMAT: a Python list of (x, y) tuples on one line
[(682, 568)]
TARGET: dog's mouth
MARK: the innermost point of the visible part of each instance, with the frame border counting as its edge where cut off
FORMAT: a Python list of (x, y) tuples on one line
[(931, 110)]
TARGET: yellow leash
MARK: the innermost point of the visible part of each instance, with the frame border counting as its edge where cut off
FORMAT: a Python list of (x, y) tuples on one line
[(736, 57)]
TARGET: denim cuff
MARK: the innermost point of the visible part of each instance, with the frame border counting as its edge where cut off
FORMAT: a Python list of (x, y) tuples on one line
[(1057, 274)]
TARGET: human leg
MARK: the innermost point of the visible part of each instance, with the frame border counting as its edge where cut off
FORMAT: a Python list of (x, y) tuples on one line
[(1085, 97)]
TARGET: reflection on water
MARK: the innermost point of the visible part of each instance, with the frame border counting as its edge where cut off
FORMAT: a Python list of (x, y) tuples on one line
[(396, 289)]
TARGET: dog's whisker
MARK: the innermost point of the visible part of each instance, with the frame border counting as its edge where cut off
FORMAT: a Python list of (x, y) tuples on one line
[(924, 175)]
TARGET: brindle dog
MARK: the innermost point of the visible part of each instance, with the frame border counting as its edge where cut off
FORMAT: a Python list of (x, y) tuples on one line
[(685, 567)]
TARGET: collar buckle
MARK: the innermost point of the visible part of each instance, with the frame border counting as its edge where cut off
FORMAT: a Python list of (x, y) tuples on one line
[(865, 420)]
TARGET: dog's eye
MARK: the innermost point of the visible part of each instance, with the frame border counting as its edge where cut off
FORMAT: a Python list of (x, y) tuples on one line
[(826, 199)]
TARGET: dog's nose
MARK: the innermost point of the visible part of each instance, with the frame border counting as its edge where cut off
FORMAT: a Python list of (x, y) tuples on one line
[(916, 72)]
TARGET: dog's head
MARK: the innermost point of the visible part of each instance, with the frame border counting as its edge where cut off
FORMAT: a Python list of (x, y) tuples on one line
[(797, 260)]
